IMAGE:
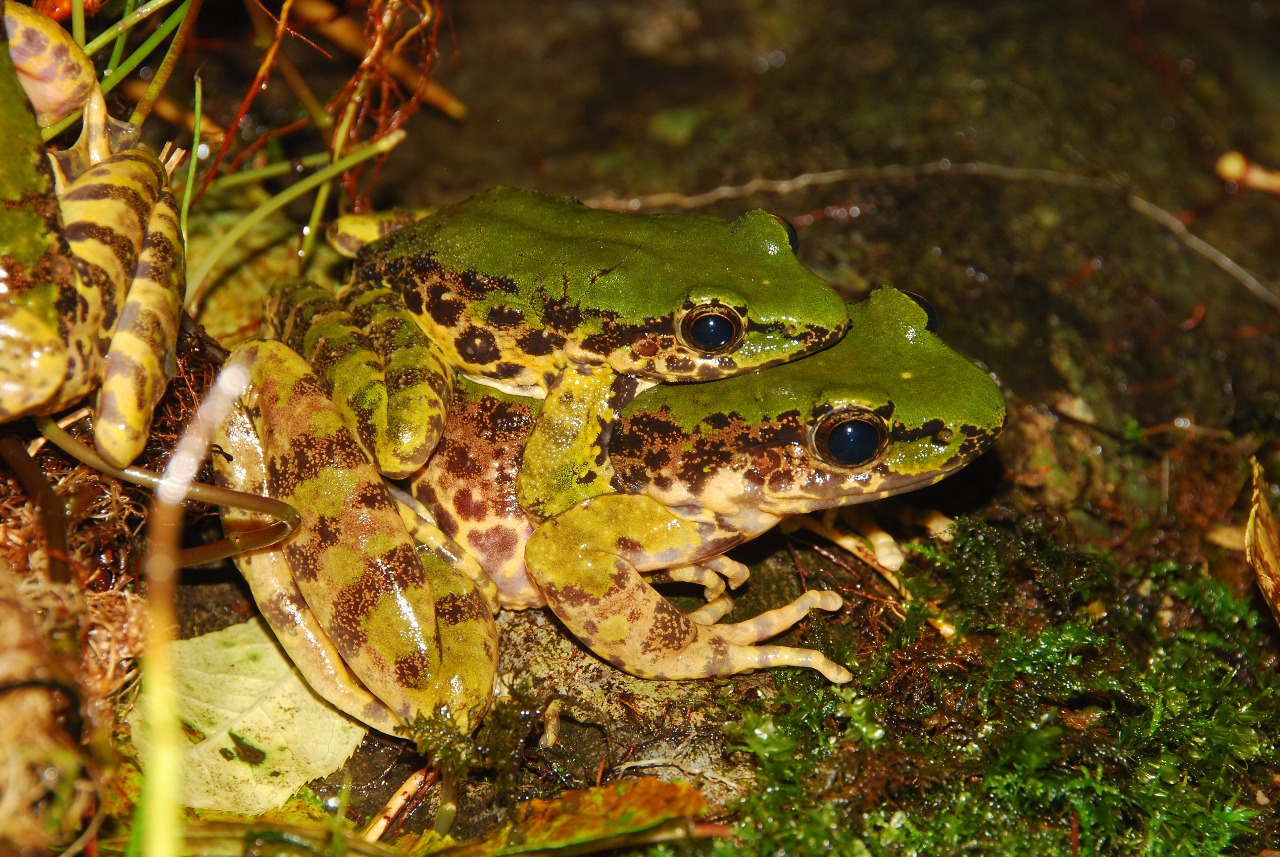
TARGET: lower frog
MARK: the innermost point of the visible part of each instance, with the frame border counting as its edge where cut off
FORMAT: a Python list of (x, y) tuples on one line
[(93, 258), (699, 469)]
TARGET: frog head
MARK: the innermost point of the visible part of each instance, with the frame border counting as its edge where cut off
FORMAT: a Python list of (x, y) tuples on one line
[(889, 409), (702, 298), (515, 277)]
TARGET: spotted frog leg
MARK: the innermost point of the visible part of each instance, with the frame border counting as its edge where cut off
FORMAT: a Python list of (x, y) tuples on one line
[(591, 579), (95, 273), (382, 630)]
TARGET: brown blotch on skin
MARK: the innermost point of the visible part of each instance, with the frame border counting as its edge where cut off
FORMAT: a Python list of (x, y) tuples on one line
[(505, 316), (459, 461), (441, 305), (562, 314), (668, 631), (931, 429), (120, 245), (458, 609), (679, 365), (628, 547), (280, 609), (351, 608), (506, 370), (469, 506), (477, 345), (540, 343), (494, 546), (570, 596), (415, 670)]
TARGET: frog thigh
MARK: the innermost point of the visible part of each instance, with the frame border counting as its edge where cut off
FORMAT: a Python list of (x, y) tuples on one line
[(142, 348), (352, 559), (578, 560), (275, 592)]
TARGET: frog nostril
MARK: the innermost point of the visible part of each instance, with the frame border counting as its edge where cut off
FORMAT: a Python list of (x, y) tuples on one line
[(792, 238), (931, 314)]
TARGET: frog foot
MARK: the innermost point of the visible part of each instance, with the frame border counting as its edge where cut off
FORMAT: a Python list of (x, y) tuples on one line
[(588, 563), (712, 574)]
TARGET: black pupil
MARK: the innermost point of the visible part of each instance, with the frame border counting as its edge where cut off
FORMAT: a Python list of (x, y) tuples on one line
[(711, 331), (853, 442)]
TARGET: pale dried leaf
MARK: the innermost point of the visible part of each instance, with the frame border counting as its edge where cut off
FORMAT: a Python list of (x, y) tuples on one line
[(258, 732)]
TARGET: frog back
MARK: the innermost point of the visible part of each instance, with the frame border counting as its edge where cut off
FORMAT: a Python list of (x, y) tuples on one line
[(515, 284)]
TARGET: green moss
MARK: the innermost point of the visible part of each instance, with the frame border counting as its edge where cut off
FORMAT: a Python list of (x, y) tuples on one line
[(1089, 709)]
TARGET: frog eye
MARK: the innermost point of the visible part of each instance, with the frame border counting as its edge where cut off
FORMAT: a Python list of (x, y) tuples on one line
[(850, 437), (711, 329), (931, 324), (792, 238)]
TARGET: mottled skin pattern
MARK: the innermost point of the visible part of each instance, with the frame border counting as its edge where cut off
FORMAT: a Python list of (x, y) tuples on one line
[(591, 292), (702, 468), (388, 378), (109, 316), (517, 287), (413, 632), (470, 487)]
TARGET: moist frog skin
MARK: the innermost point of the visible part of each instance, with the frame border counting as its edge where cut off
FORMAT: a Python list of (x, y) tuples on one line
[(542, 296), (700, 469)]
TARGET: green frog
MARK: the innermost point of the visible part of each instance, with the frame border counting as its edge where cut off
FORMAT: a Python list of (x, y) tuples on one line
[(93, 258), (541, 296), (699, 469), (519, 290)]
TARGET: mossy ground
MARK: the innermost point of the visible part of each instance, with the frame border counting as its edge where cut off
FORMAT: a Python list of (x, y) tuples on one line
[(1087, 709)]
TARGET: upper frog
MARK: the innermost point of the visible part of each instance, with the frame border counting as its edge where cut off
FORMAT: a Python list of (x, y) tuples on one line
[(514, 285)]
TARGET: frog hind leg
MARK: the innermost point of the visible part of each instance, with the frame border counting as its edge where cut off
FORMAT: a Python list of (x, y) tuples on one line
[(106, 213), (276, 593), (582, 560), (140, 359), (351, 557)]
